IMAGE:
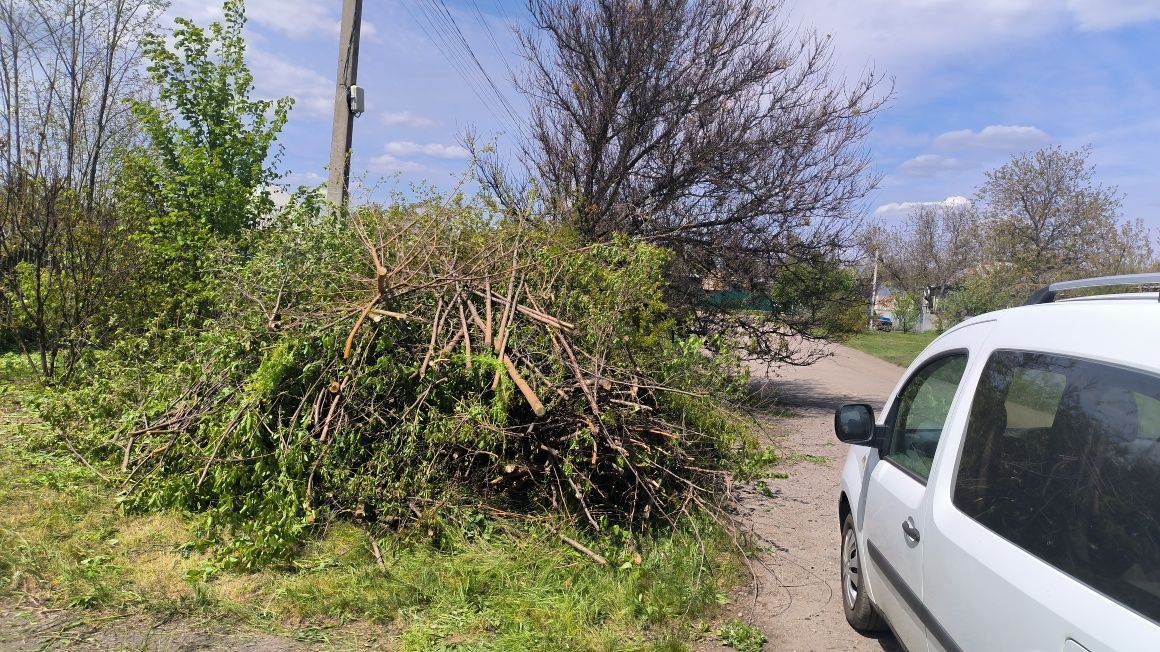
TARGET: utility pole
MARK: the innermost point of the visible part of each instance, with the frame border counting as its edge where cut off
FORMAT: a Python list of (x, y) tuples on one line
[(344, 114), (874, 290)]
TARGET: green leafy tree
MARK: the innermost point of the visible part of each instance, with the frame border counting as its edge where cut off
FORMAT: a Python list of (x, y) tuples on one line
[(983, 290), (211, 157), (211, 140)]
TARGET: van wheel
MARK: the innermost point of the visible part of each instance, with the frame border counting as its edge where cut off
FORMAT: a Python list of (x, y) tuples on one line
[(860, 613)]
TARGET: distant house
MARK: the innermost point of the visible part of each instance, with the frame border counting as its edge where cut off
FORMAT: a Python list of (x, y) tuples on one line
[(884, 302)]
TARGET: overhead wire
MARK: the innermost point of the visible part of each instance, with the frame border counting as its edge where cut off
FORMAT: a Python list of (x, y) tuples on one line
[(429, 21), (483, 22), (438, 23), (470, 52)]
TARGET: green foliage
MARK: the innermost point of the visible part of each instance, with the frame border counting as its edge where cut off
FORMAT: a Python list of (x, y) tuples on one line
[(1050, 219), (489, 582), (266, 448), (906, 311), (741, 636), (65, 263), (245, 392), (752, 462), (820, 297), (985, 291)]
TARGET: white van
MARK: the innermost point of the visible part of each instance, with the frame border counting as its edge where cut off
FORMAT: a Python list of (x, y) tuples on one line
[(1008, 495)]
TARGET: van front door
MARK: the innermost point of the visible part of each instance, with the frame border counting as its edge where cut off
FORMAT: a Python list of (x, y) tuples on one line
[(896, 496)]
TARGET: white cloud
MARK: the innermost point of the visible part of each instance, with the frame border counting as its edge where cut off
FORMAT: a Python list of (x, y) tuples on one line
[(901, 209), (925, 165), (1101, 15), (909, 38), (199, 11), (295, 179), (390, 163), (407, 148), (912, 39), (1001, 138), (406, 119), (394, 159), (297, 19), (276, 77)]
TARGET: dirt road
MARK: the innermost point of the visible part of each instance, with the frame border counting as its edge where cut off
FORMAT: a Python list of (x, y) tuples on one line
[(798, 605)]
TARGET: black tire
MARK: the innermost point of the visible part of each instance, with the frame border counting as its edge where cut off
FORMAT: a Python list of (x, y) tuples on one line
[(860, 612)]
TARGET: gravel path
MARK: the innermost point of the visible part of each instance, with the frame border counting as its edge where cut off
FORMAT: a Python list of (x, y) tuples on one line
[(798, 605)]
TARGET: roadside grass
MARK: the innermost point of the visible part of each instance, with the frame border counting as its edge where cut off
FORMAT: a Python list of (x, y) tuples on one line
[(896, 348), (506, 584)]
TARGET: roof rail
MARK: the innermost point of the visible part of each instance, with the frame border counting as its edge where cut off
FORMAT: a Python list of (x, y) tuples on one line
[(1047, 294)]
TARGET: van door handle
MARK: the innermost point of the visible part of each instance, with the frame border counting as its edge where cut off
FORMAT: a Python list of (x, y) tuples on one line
[(910, 531)]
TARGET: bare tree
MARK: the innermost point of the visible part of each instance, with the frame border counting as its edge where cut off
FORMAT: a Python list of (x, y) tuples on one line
[(66, 68), (930, 250), (1048, 217), (711, 128), (1129, 249)]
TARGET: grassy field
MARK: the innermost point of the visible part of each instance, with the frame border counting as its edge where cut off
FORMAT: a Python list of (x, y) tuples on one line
[(897, 348), (509, 584)]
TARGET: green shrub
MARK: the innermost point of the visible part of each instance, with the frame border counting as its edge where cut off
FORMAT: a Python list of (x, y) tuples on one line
[(906, 311)]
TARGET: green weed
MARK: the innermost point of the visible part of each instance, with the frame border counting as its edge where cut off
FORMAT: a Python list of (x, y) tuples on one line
[(795, 457), (741, 636), (753, 463)]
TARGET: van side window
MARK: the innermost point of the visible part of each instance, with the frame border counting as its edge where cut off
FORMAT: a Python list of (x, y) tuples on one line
[(921, 411), (1061, 457)]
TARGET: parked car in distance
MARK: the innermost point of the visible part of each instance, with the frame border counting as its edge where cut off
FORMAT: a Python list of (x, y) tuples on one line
[(884, 323), (1007, 497)]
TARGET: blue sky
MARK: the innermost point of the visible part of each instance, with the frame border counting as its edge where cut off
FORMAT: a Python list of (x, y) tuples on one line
[(975, 82)]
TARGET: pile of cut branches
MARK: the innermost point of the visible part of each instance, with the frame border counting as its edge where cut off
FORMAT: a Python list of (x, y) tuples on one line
[(425, 355)]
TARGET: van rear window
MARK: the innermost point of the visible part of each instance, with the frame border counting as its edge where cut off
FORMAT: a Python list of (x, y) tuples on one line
[(1062, 458)]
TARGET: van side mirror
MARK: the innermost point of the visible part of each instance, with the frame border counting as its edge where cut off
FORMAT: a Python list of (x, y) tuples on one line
[(854, 424)]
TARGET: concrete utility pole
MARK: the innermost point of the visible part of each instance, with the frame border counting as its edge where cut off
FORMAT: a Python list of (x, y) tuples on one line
[(874, 290), (343, 129)]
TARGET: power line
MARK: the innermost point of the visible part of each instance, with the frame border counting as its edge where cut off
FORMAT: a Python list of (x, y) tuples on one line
[(436, 32), (440, 26)]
